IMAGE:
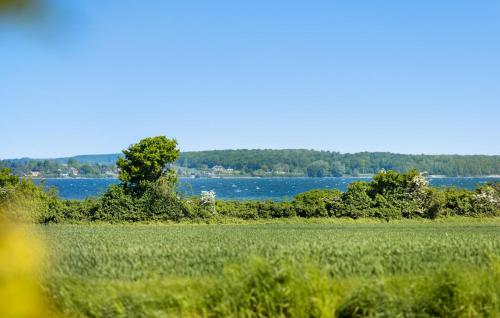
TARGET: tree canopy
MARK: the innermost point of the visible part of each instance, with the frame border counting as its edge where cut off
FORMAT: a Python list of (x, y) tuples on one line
[(146, 161)]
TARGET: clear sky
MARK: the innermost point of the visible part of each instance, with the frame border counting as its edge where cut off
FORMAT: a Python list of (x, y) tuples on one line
[(349, 76)]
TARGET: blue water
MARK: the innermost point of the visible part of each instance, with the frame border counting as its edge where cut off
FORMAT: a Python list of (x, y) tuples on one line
[(242, 188)]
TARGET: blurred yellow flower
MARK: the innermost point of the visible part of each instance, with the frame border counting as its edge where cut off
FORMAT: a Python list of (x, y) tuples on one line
[(20, 261)]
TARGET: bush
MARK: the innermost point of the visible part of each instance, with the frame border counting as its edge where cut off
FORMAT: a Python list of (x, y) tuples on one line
[(7, 179), (316, 203), (196, 210), (387, 213), (80, 210), (160, 203), (436, 204), (24, 201), (449, 201), (239, 209), (155, 203), (486, 201), (116, 204), (282, 210), (407, 192), (356, 200)]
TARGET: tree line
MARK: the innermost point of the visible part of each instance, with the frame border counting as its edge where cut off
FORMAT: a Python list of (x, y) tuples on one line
[(55, 168), (268, 162), (315, 163)]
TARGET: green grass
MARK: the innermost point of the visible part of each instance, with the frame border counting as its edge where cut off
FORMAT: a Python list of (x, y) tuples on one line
[(344, 268)]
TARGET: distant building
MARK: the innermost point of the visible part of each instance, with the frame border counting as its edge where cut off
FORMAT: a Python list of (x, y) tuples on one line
[(35, 174), (218, 169), (221, 169), (74, 171), (111, 174)]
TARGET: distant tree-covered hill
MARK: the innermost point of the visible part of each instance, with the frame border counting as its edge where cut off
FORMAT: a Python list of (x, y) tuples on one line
[(315, 163), (267, 162), (106, 159)]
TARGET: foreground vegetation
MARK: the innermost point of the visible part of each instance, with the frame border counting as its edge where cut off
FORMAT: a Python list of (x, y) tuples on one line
[(409, 268)]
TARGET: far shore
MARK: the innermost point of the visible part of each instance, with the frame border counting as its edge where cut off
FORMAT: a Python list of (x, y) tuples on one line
[(266, 177)]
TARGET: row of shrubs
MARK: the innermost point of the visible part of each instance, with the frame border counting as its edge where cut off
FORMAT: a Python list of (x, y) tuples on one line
[(389, 195)]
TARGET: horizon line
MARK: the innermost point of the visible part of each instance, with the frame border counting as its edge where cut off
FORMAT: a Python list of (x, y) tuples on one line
[(252, 149)]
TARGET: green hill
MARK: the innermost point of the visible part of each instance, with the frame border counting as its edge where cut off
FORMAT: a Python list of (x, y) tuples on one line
[(286, 162)]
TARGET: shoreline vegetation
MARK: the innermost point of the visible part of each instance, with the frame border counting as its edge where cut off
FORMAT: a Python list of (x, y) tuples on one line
[(277, 177), (388, 196)]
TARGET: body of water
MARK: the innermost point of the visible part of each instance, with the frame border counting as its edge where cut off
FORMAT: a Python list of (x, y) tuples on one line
[(242, 188)]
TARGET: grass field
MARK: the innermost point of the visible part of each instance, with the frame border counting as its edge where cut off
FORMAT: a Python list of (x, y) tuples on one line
[(344, 269)]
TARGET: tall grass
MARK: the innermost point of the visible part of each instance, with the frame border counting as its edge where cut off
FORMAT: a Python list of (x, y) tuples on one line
[(260, 288), (413, 269)]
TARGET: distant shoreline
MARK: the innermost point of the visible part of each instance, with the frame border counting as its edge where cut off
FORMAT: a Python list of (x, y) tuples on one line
[(267, 177)]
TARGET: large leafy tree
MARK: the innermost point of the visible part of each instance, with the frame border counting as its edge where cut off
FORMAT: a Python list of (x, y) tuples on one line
[(145, 162)]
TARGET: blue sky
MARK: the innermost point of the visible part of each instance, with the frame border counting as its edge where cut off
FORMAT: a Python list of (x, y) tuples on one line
[(349, 76)]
